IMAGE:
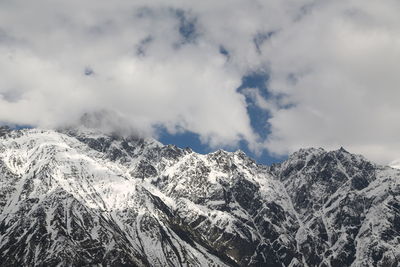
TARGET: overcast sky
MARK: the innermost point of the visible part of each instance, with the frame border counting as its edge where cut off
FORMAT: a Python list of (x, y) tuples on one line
[(330, 70)]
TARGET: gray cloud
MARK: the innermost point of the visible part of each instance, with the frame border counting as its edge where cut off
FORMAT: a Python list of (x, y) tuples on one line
[(332, 65), (148, 64), (344, 58)]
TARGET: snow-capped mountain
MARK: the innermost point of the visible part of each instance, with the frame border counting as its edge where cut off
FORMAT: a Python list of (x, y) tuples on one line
[(79, 197)]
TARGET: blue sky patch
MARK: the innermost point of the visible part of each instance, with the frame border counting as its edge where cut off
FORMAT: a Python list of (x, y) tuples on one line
[(187, 26), (258, 119), (258, 116)]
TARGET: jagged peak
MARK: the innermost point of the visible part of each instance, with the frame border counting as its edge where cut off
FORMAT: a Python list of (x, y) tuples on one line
[(305, 159), (191, 200), (343, 154), (306, 152), (85, 132), (82, 132), (240, 152), (223, 153), (220, 151)]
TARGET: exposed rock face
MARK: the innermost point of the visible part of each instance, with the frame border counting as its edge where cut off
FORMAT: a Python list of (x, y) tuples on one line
[(79, 197)]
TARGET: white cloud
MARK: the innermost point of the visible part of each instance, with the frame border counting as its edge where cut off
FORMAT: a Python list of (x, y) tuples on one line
[(333, 68), (60, 60), (338, 65)]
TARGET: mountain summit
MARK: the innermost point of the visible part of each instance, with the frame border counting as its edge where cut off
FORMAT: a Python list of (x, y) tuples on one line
[(79, 197)]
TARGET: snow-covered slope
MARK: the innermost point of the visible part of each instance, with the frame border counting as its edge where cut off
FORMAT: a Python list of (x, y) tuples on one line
[(395, 164), (80, 197)]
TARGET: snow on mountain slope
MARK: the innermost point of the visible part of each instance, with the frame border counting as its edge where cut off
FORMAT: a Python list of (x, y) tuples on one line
[(349, 208), (69, 202), (80, 197), (395, 164)]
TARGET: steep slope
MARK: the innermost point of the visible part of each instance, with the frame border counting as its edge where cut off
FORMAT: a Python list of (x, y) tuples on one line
[(348, 206), (69, 205), (80, 197)]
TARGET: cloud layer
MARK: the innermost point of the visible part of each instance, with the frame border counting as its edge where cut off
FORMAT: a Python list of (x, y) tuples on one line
[(332, 69)]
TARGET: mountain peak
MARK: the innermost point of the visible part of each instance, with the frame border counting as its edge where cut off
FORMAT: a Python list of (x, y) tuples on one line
[(113, 200), (306, 152)]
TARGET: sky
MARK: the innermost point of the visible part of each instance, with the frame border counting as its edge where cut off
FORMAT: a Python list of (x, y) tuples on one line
[(268, 77)]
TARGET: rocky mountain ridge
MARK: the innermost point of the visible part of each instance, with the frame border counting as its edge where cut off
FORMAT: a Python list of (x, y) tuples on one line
[(79, 197)]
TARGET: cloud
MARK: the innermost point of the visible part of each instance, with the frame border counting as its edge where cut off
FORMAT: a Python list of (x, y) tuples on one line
[(332, 69), (338, 66), (150, 65)]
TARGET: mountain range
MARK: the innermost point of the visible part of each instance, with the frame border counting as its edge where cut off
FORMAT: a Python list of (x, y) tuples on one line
[(81, 197)]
